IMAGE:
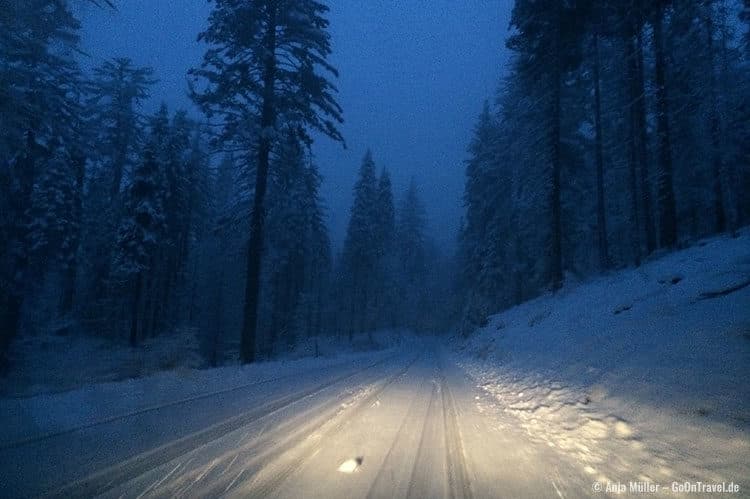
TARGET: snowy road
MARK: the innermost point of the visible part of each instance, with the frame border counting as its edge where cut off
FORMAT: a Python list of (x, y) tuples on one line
[(643, 384), (398, 426)]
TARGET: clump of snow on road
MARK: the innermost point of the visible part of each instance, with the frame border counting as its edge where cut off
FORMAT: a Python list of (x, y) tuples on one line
[(350, 465), (640, 374)]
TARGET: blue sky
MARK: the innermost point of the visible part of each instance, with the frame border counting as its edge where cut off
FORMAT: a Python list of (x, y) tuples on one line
[(413, 77)]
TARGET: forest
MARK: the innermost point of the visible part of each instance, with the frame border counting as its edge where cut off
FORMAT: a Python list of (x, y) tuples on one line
[(619, 132)]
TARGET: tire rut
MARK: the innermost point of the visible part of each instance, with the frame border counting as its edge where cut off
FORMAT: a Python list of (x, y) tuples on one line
[(108, 478), (459, 483), (267, 478)]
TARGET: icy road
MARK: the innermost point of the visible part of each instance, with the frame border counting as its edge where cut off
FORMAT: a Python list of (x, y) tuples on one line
[(392, 426)]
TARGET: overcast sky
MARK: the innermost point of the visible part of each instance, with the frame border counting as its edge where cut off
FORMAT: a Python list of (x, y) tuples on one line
[(414, 75)]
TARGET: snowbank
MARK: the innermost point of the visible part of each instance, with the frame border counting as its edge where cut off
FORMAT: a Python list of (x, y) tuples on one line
[(47, 363), (31, 417), (50, 363), (640, 374)]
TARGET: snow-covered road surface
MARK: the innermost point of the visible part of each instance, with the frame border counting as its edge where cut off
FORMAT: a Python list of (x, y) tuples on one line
[(637, 377), (407, 425)]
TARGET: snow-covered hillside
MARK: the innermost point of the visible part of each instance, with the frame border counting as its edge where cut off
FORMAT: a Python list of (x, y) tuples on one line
[(641, 373)]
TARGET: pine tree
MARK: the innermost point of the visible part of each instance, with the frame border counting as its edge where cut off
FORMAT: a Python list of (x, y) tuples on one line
[(38, 81), (214, 274), (38, 72), (545, 42), (360, 252), (382, 273), (601, 215), (744, 15), (717, 159), (116, 91), (196, 196), (142, 226), (481, 194), (173, 250), (665, 185), (287, 232), (264, 61), (54, 227), (412, 253), (114, 95)]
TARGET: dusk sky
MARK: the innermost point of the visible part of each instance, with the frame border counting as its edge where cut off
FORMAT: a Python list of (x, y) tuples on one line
[(413, 77)]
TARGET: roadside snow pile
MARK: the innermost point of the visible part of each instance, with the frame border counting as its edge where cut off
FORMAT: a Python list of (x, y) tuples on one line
[(53, 363), (25, 418), (641, 374)]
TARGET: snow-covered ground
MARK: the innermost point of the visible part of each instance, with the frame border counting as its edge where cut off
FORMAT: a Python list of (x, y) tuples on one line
[(49, 363), (95, 400), (641, 374), (636, 376)]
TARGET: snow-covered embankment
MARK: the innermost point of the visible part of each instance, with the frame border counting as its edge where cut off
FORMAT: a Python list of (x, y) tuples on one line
[(641, 374)]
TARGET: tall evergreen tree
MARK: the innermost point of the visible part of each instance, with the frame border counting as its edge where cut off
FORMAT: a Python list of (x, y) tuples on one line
[(141, 229), (665, 184), (288, 237), (412, 255), (383, 272), (483, 189), (601, 211), (39, 80), (116, 91), (545, 41), (360, 252), (54, 224), (264, 60)]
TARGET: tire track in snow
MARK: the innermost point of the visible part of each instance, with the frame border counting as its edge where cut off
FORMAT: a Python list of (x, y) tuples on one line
[(402, 453), (154, 408), (106, 479), (304, 443), (459, 484)]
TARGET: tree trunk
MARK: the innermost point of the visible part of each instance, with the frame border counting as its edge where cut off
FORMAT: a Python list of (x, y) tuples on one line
[(135, 310), (633, 152), (667, 210), (601, 216), (556, 273), (150, 311), (734, 198), (275, 324), (71, 271), (353, 307), (219, 324), (716, 153), (68, 289), (9, 322), (639, 102), (164, 315), (365, 309), (17, 246), (255, 247), (194, 287)]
